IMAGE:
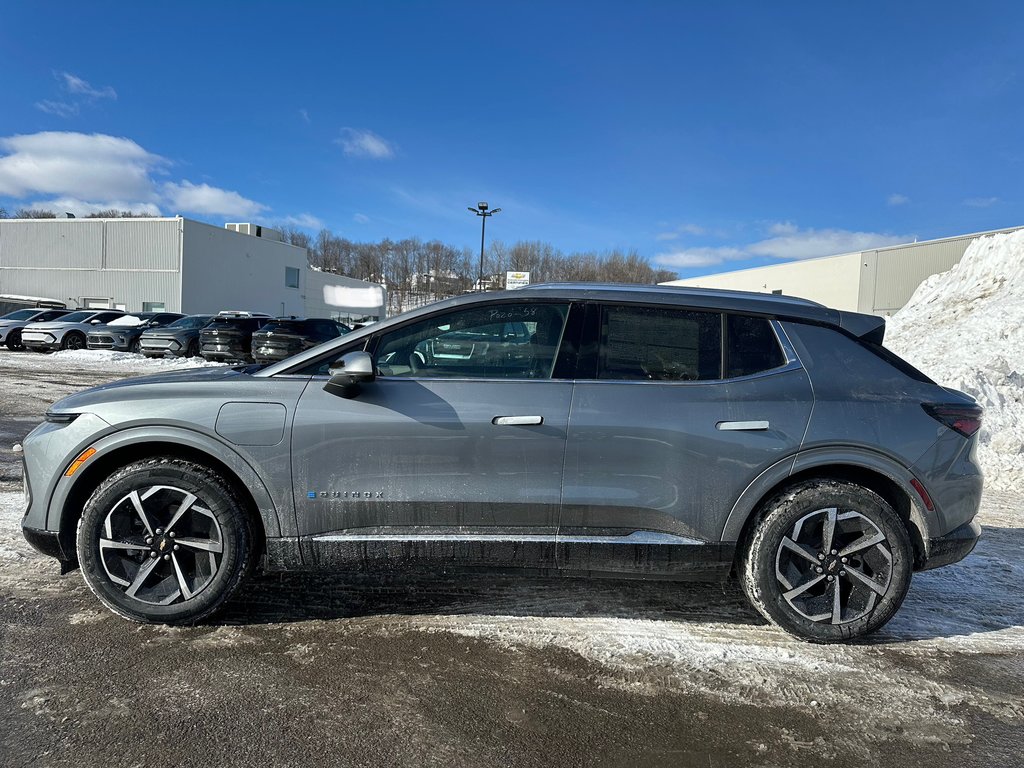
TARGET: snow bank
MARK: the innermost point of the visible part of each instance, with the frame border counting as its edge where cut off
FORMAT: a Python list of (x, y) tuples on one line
[(965, 329), (100, 359)]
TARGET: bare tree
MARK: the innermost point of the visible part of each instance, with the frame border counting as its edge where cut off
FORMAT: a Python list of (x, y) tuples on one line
[(34, 213)]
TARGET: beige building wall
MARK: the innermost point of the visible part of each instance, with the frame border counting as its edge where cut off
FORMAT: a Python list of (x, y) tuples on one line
[(833, 280)]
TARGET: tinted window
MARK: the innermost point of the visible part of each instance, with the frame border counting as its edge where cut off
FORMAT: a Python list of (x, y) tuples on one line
[(53, 314), (752, 346), (21, 314), (653, 344), (501, 341), (106, 317)]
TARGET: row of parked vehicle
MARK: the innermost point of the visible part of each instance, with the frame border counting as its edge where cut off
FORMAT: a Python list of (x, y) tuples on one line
[(231, 336)]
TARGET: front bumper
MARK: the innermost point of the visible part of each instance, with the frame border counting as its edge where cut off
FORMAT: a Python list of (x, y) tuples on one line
[(108, 343), (953, 547), (40, 341)]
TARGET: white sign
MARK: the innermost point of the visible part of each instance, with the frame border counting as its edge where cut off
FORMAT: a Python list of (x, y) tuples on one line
[(516, 279)]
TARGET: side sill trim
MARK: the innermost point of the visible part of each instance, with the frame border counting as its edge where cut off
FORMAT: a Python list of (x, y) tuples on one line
[(634, 538)]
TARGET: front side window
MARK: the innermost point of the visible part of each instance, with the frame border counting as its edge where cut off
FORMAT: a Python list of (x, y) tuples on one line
[(504, 341), (655, 344)]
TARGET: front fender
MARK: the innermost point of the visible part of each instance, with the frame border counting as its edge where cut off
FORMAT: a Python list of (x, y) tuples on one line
[(244, 470), (848, 456)]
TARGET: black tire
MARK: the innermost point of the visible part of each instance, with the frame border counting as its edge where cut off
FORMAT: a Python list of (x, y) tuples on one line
[(794, 587), (136, 347), (14, 341), (193, 348), (73, 340), (216, 519)]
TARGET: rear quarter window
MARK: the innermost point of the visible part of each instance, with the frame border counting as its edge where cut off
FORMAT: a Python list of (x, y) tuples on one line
[(751, 346)]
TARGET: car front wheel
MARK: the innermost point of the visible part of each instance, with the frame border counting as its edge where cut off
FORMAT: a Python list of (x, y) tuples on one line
[(164, 541), (14, 341), (73, 341), (828, 561)]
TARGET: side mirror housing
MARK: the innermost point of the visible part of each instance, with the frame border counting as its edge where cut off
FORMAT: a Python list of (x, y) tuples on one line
[(347, 374)]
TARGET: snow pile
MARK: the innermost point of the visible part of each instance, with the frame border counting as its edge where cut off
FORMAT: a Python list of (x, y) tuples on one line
[(126, 320), (965, 329), (101, 359)]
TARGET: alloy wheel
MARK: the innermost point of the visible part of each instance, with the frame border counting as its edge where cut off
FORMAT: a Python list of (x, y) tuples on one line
[(162, 545), (834, 566)]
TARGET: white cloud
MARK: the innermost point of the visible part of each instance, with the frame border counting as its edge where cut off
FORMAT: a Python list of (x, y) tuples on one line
[(82, 173), (682, 229), (58, 108), (84, 207), (789, 242), (76, 92), (304, 114), (304, 221), (76, 85), (897, 199), (981, 202), (360, 218), (210, 201), (362, 143), (84, 166)]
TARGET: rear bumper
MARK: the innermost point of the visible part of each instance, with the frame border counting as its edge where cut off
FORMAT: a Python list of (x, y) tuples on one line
[(953, 547)]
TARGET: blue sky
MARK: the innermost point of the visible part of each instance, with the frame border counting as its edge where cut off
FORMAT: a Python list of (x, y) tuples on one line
[(706, 136)]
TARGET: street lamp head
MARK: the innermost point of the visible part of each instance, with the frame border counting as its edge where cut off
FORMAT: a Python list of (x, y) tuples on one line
[(482, 206), (496, 210), (471, 210)]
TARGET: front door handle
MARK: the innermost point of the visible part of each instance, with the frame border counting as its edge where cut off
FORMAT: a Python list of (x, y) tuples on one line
[(742, 426), (517, 421)]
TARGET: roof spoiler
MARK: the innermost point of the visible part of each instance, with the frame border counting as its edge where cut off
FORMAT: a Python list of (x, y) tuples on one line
[(870, 328)]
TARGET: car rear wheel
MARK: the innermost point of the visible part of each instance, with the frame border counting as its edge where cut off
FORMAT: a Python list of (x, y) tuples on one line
[(164, 541), (73, 341), (136, 347), (828, 561), (14, 341), (193, 348)]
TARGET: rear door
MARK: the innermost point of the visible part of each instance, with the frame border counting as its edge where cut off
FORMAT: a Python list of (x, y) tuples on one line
[(675, 412), (454, 452)]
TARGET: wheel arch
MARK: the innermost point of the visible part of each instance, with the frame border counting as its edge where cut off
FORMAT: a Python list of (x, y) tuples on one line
[(124, 448), (870, 470)]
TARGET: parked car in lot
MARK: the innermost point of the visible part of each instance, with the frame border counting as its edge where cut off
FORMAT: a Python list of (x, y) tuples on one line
[(68, 331), (285, 336), (227, 338), (13, 323), (178, 339), (643, 432), (123, 333)]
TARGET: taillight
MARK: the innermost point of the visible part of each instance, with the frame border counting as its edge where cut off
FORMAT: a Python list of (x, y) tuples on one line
[(965, 419)]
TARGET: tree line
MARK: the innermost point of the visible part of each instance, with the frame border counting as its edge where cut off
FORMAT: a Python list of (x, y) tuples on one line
[(415, 271)]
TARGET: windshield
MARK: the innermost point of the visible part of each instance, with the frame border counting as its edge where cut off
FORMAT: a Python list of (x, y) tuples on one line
[(77, 317), (196, 321), (21, 314)]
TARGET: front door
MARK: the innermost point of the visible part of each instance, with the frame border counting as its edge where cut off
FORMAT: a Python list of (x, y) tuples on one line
[(454, 452)]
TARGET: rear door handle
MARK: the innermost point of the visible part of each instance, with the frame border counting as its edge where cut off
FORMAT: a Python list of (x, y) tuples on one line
[(742, 426), (517, 421)]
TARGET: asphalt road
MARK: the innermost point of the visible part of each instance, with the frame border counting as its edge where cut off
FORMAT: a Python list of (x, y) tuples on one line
[(314, 670)]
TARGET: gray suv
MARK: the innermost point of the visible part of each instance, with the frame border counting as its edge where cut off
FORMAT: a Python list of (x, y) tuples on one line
[(625, 431)]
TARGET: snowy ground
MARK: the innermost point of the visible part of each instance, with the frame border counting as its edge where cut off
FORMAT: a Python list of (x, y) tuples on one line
[(495, 671)]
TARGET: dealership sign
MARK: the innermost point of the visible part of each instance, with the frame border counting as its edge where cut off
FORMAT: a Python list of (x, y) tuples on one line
[(517, 279)]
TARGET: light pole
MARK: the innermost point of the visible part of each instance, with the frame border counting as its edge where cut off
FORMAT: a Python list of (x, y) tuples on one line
[(483, 213)]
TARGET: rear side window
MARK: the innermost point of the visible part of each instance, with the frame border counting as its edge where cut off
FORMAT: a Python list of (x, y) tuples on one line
[(655, 344), (752, 346)]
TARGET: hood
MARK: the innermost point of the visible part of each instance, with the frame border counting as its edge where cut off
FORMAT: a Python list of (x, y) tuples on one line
[(168, 333), (56, 325), (115, 390)]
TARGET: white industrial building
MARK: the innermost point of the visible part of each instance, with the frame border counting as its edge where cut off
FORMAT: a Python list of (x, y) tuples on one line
[(175, 265), (877, 281)]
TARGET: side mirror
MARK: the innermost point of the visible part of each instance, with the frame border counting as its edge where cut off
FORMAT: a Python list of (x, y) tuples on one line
[(347, 374)]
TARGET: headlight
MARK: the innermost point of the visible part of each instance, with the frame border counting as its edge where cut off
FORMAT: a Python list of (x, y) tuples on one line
[(61, 418)]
